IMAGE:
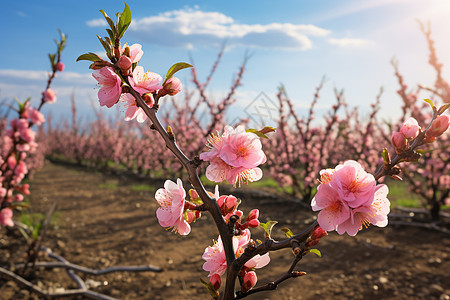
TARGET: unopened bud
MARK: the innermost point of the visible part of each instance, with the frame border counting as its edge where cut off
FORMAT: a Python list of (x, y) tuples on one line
[(60, 67), (148, 98), (399, 141), (124, 63), (410, 128), (193, 194), (253, 214), (439, 126), (215, 281), (171, 87), (318, 233), (249, 281), (253, 223)]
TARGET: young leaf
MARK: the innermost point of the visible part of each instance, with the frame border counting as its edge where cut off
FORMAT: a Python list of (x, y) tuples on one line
[(124, 20), (287, 232), (257, 132), (268, 228), (89, 56), (443, 108), (108, 19), (316, 252), (212, 291), (111, 34), (267, 129), (175, 68)]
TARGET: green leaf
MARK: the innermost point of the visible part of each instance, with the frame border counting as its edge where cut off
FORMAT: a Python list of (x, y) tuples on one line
[(89, 56), (443, 108), (316, 252), (111, 34), (212, 291), (257, 132), (52, 59), (108, 19), (175, 68), (124, 20), (106, 45), (287, 232), (268, 228)]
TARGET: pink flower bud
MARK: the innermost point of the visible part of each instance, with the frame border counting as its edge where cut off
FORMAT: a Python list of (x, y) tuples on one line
[(318, 233), (227, 204), (253, 214), (399, 141), (124, 63), (148, 98), (60, 67), (439, 126), (311, 243), (49, 96), (215, 281), (171, 87), (410, 128), (6, 217), (253, 223), (193, 194), (190, 216), (249, 281), (18, 197)]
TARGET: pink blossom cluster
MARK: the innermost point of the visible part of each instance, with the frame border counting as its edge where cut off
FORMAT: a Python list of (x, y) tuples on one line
[(18, 141), (147, 84), (349, 198), (216, 263), (234, 156)]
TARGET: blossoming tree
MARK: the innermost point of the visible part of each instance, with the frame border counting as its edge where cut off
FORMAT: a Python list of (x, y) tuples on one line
[(348, 197)]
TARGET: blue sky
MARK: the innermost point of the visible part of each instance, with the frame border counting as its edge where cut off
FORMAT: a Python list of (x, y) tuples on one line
[(291, 42)]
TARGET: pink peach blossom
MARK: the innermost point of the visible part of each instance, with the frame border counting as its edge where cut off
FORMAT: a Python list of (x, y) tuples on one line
[(410, 128), (133, 111), (354, 185), (234, 156), (49, 95), (145, 82), (110, 89), (333, 211), (171, 198), (216, 262), (374, 213), (35, 116)]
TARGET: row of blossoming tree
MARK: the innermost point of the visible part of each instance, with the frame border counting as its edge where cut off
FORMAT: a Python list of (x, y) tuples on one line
[(347, 197)]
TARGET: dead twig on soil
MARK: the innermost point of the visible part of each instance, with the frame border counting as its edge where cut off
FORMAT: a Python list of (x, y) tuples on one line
[(70, 268)]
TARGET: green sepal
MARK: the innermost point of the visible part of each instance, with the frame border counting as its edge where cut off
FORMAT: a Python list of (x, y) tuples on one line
[(268, 228), (124, 20), (316, 252), (386, 157), (175, 68), (287, 232), (212, 291), (89, 56)]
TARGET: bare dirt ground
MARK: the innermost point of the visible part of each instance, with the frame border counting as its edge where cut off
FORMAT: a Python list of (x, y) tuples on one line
[(107, 220)]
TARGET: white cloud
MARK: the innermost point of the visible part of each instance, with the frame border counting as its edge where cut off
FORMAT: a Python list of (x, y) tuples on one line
[(96, 22), (349, 42), (187, 27)]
